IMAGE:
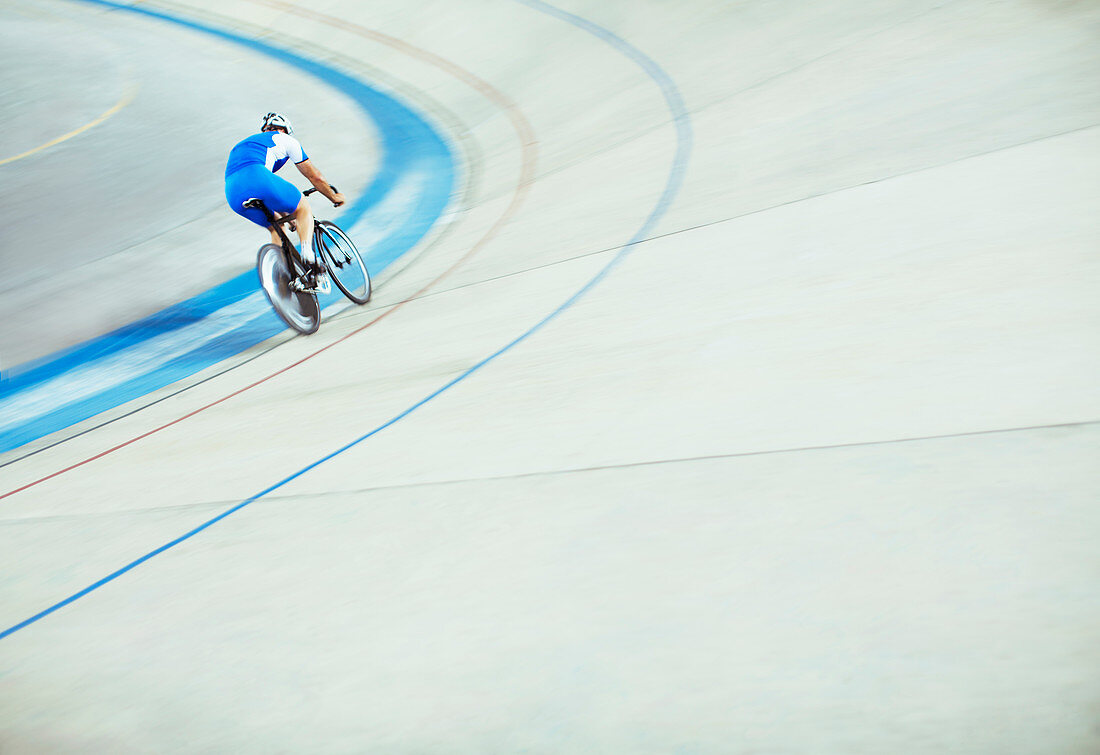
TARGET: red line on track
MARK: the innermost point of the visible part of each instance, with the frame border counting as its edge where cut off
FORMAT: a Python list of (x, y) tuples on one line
[(528, 147)]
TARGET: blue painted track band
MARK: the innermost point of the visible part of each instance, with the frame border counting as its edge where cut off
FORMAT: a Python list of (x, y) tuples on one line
[(682, 125), (399, 205)]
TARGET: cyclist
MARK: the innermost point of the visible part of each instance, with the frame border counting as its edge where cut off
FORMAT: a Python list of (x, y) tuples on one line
[(250, 173)]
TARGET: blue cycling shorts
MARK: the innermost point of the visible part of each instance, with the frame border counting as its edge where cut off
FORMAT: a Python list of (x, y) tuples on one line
[(257, 181)]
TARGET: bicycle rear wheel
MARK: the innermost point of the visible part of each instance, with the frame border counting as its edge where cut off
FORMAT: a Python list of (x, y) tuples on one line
[(343, 261), (298, 309)]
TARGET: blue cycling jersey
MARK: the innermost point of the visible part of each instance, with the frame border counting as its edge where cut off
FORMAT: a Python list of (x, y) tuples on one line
[(270, 149), (249, 174)]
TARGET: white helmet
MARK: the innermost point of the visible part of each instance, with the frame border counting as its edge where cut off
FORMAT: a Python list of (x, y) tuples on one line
[(272, 120)]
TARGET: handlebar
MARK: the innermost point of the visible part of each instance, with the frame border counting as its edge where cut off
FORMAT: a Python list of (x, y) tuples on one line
[(307, 192)]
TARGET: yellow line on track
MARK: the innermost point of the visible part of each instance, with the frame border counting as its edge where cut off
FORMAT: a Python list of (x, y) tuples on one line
[(126, 100)]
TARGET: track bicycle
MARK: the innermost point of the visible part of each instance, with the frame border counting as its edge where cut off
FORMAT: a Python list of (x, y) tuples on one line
[(285, 276)]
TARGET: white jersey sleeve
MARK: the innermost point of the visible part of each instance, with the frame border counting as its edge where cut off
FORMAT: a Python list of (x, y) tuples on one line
[(286, 147)]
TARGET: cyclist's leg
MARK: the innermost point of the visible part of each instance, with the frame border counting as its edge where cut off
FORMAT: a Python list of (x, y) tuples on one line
[(303, 219), (283, 197)]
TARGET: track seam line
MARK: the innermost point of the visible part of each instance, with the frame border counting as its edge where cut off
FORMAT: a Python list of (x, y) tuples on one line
[(850, 187), (790, 202), (690, 459), (554, 472), (786, 203)]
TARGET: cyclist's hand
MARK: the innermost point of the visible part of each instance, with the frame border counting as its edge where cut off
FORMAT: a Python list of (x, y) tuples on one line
[(337, 199)]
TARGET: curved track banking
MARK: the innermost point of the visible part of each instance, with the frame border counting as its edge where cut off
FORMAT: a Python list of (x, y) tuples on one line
[(528, 147), (672, 185), (818, 452), (400, 203)]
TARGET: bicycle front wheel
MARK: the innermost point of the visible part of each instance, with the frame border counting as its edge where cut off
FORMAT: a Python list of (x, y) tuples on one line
[(343, 261), (298, 309)]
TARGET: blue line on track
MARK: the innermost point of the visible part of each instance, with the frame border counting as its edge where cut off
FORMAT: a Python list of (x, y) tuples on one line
[(402, 201), (682, 123)]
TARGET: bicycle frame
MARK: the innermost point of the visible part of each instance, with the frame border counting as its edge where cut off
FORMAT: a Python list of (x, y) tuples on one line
[(292, 255), (293, 259)]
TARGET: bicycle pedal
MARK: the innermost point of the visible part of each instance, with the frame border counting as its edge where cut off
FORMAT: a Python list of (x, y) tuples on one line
[(319, 285)]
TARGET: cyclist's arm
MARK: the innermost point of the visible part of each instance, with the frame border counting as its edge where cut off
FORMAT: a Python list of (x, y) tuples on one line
[(307, 169)]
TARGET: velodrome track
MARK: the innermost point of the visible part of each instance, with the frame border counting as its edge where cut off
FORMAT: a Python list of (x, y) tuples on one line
[(741, 396)]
